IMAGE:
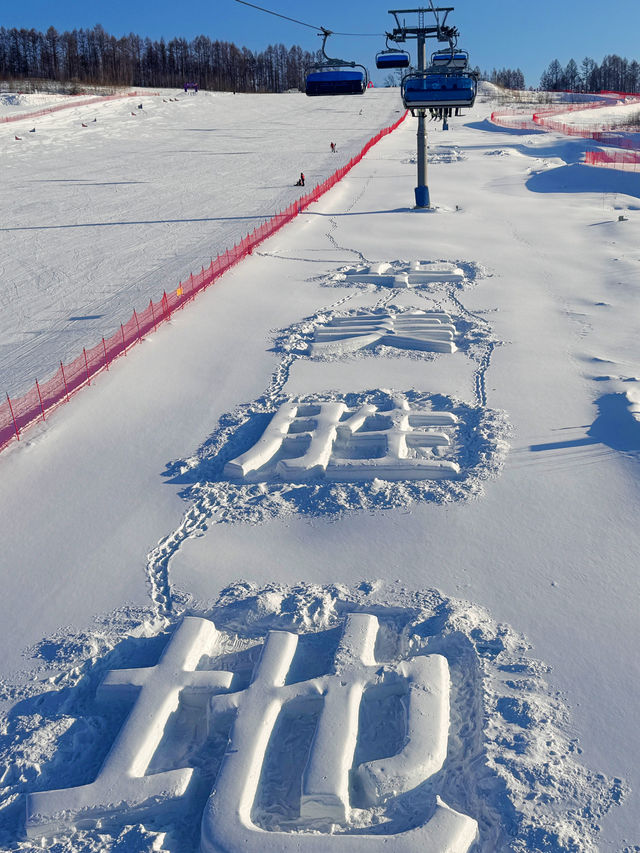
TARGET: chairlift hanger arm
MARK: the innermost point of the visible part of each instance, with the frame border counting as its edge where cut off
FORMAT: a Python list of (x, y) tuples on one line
[(387, 38), (325, 33)]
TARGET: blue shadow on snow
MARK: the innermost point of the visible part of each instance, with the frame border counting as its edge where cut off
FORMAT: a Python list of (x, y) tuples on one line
[(585, 179), (614, 427), (490, 127)]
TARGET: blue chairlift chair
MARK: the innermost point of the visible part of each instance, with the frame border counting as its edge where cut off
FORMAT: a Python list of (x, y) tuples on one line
[(392, 57), (335, 76), (450, 59), (431, 90)]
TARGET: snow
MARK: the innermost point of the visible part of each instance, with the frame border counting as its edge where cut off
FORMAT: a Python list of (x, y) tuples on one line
[(121, 533), (162, 189), (13, 104), (603, 117)]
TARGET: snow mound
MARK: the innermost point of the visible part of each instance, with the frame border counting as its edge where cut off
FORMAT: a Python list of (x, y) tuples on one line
[(633, 403), (504, 761), (441, 154)]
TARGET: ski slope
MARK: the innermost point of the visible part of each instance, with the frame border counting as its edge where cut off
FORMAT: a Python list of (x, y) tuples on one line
[(495, 335), (101, 218)]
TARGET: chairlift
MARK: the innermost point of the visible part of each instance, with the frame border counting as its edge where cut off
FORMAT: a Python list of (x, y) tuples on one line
[(431, 90), (335, 76), (450, 59), (392, 58)]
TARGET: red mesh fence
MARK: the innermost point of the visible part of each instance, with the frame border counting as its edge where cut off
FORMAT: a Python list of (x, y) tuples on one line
[(627, 160), (513, 119), (606, 134), (99, 99), (17, 414)]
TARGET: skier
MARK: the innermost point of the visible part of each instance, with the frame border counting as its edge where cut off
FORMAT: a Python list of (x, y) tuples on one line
[(333, 148), (300, 181)]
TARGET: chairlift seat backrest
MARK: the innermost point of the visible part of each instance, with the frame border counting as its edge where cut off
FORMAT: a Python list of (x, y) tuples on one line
[(447, 59)]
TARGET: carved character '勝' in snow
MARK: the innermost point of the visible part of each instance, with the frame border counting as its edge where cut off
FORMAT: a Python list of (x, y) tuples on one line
[(305, 440)]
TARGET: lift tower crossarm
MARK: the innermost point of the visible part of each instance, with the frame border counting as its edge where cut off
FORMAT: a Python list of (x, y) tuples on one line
[(427, 31)]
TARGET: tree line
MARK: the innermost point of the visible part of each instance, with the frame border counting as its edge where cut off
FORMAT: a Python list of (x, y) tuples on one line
[(615, 74), (93, 57), (507, 78)]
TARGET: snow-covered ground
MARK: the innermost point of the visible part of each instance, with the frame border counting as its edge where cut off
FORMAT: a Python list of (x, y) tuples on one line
[(602, 111), (100, 218), (404, 442), (603, 116), (14, 104)]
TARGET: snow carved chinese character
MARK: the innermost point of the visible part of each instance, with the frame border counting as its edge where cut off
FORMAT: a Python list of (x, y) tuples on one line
[(328, 440), (122, 792)]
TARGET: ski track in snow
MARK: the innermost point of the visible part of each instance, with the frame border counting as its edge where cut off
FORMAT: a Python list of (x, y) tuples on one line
[(484, 360), (219, 502)]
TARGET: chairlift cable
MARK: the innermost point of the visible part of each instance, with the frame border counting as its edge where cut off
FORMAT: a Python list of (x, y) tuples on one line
[(304, 24), (278, 15)]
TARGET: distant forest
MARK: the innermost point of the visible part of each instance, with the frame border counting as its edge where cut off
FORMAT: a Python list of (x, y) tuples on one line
[(615, 74), (508, 78), (93, 57)]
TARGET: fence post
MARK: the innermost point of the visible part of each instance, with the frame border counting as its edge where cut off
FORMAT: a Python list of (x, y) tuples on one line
[(104, 347), (15, 425), (41, 403), (86, 365), (64, 379), (137, 323), (165, 305), (153, 315), (124, 346)]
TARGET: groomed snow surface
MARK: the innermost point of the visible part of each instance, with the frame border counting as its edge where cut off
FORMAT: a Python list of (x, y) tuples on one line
[(345, 555)]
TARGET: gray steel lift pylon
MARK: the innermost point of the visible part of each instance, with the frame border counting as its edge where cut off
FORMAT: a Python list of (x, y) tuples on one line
[(421, 33)]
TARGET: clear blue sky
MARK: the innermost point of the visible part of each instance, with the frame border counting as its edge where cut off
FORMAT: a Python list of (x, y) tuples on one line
[(498, 33)]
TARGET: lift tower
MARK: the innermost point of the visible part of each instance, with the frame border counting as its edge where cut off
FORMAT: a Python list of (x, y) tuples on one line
[(421, 33)]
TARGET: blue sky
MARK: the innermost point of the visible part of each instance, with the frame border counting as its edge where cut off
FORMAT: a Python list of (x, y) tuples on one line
[(497, 33)]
